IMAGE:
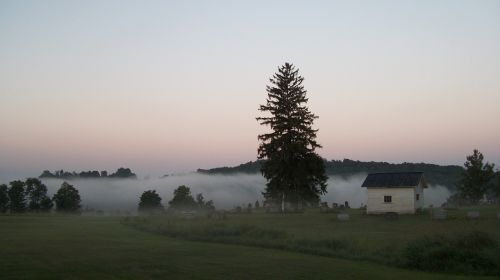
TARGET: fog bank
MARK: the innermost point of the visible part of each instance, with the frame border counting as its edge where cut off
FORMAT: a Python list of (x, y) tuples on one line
[(227, 191)]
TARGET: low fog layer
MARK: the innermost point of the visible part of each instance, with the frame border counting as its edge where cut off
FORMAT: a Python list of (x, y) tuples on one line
[(227, 191)]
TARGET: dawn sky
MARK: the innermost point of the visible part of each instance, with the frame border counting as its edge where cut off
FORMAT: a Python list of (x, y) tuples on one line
[(171, 86)]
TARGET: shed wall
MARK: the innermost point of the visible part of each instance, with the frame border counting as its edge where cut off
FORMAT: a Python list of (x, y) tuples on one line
[(403, 200), (420, 191)]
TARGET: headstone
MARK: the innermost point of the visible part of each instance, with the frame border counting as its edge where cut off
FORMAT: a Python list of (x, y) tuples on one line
[(439, 214), (343, 217), (498, 215), (473, 215)]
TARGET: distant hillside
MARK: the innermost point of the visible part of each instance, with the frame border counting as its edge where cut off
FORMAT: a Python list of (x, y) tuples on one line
[(435, 174)]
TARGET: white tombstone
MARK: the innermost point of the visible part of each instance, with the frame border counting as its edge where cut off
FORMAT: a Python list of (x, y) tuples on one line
[(473, 215), (439, 214), (343, 217)]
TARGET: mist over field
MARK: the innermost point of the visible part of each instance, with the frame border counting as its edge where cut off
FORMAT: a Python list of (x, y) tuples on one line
[(227, 191)]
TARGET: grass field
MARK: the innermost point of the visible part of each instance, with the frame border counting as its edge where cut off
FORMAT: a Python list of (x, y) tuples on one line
[(62, 247), (77, 247), (363, 237), (364, 231)]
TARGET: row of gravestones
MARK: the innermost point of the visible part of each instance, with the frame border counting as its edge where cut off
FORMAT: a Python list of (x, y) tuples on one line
[(441, 214)]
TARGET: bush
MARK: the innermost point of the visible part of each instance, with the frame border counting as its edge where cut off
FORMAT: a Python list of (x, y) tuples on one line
[(473, 253)]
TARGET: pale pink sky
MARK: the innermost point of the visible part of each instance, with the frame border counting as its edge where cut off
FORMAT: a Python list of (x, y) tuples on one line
[(171, 86)]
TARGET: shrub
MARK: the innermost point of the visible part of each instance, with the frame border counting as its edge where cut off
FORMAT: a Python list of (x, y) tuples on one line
[(473, 253)]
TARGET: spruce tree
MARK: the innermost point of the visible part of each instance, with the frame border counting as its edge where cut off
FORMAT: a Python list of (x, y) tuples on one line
[(295, 173)]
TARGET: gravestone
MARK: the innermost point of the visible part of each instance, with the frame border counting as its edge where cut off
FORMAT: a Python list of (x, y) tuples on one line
[(343, 217), (473, 215), (498, 215)]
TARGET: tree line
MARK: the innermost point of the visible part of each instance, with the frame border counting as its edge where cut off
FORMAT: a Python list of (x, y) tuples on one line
[(447, 176), (61, 174), (150, 202), (31, 196)]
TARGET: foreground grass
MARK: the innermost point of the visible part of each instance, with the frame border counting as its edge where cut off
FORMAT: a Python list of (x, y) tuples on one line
[(368, 238), (61, 247)]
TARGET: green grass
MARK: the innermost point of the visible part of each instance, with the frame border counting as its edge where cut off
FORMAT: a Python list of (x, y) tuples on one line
[(65, 247), (364, 237), (365, 231)]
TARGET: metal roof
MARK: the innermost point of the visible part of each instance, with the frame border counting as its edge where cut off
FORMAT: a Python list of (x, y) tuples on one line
[(394, 180)]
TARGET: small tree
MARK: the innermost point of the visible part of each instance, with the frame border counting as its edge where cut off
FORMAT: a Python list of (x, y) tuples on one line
[(67, 199), (17, 197), (257, 204), (475, 178), (200, 200), (4, 198), (209, 205), (37, 196), (150, 202), (182, 200)]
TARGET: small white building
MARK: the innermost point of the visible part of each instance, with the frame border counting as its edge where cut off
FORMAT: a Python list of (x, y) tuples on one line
[(399, 192)]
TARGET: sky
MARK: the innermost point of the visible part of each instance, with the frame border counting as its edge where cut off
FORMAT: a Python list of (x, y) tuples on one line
[(172, 86)]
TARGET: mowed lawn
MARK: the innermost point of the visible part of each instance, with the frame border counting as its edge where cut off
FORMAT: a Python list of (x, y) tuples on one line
[(65, 247)]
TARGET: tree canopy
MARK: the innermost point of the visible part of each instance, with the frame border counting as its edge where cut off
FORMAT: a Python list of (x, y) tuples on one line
[(4, 198), (67, 199), (121, 173), (150, 202), (475, 178), (36, 192), (17, 198), (182, 200), (295, 173)]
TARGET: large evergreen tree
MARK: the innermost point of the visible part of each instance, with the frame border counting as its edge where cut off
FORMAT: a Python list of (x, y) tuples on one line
[(294, 172), (475, 178)]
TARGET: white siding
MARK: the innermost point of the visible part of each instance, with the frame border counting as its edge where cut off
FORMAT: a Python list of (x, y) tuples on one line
[(420, 191), (403, 200)]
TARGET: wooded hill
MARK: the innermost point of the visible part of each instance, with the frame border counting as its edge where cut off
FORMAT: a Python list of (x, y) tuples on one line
[(435, 174)]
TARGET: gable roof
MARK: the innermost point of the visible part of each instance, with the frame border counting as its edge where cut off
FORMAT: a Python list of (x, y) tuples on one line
[(394, 180)]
